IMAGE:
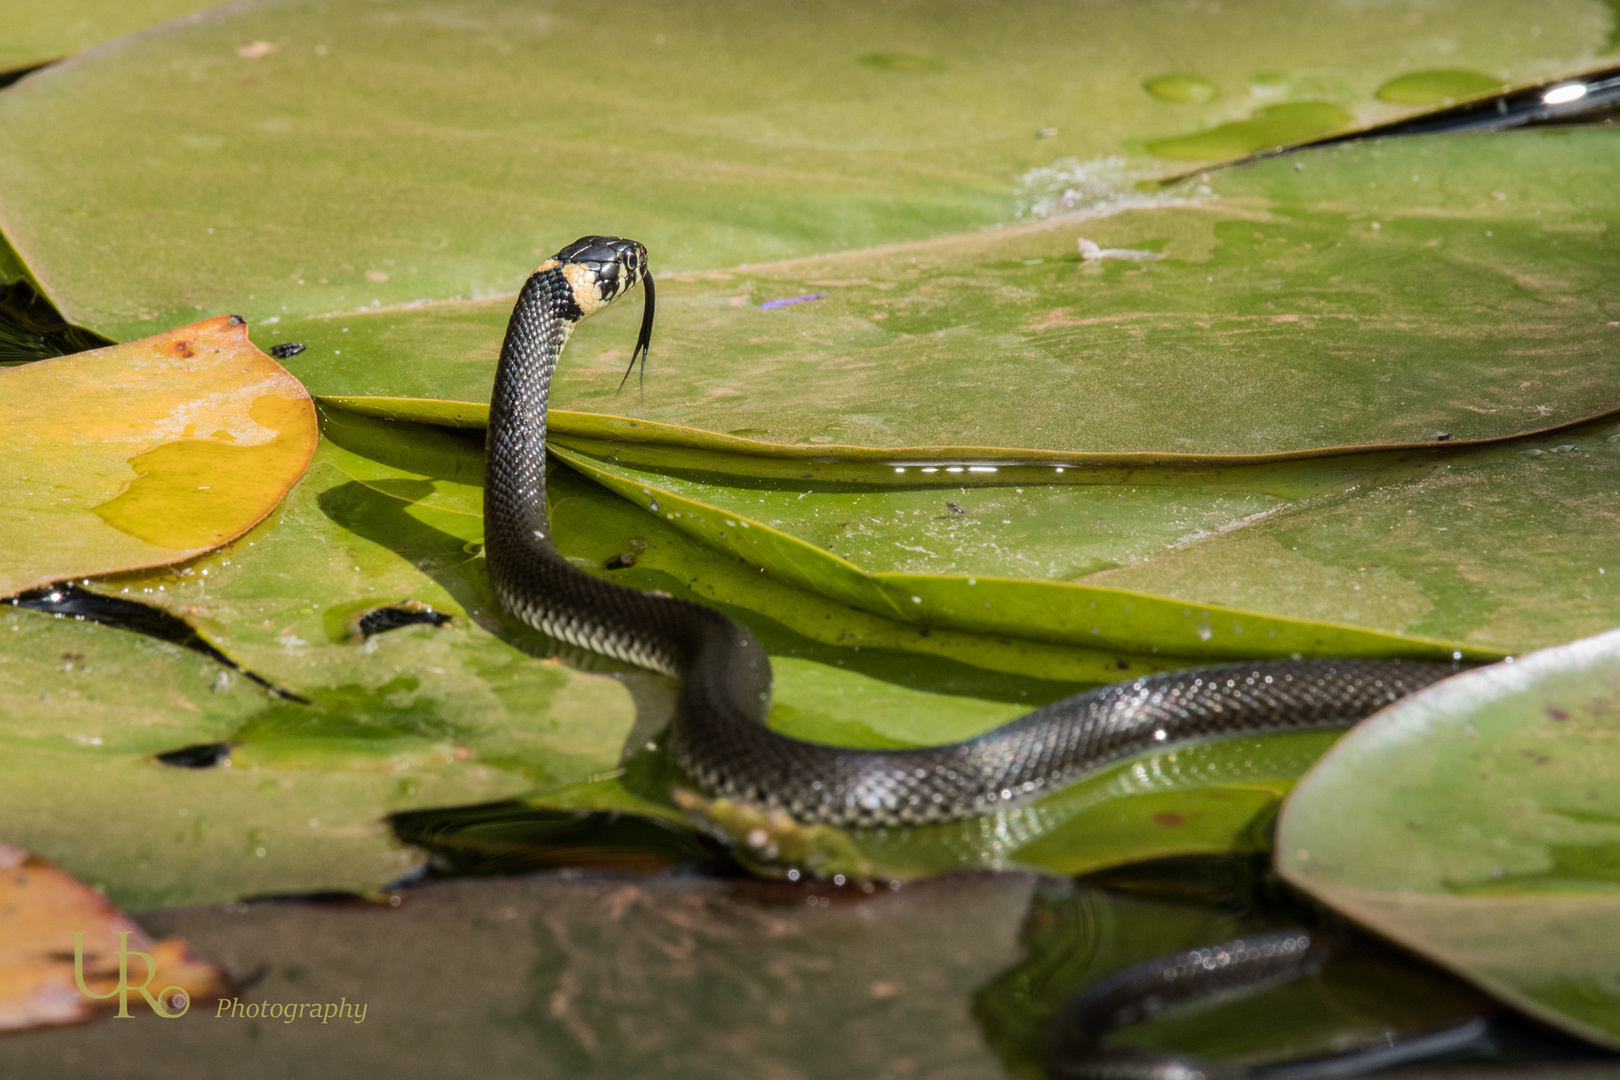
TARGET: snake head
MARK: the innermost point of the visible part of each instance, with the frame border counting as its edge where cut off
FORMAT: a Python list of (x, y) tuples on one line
[(600, 269)]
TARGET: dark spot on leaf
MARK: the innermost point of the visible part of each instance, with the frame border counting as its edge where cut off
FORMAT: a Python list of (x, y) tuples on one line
[(200, 756), (1169, 819), (383, 619), (1556, 713), (286, 349), (620, 562), (1444, 436), (953, 508)]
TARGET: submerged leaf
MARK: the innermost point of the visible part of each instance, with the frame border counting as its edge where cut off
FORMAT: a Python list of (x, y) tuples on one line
[(1478, 824), (144, 454)]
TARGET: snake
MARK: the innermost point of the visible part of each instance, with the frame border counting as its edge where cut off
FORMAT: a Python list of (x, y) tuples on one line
[(719, 736)]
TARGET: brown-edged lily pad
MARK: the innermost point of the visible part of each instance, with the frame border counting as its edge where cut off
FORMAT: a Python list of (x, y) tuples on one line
[(67, 954)]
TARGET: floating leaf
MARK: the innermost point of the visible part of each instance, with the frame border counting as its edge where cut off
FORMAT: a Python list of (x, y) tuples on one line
[(86, 711), (1056, 612), (56, 930), (1478, 824), (1511, 547), (1343, 304), (145, 454), (38, 33), (389, 154)]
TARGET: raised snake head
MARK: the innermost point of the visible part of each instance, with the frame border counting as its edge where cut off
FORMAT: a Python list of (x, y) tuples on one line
[(600, 269)]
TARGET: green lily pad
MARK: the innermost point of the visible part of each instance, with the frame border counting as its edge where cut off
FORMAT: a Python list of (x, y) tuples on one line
[(420, 698), (385, 156), (85, 709), (1341, 304), (396, 500), (39, 32), (1053, 611), (1507, 547), (1438, 87), (1477, 823)]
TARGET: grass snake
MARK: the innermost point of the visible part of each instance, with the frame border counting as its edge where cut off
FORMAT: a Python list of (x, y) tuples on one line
[(719, 736)]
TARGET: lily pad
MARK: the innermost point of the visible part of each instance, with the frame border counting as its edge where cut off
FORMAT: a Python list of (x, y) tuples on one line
[(87, 709), (40, 32), (1511, 548), (748, 132), (1053, 611), (145, 454), (1477, 823), (1323, 301), (393, 495)]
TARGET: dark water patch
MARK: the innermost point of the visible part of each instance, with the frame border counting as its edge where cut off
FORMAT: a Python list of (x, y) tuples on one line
[(32, 329), (71, 602), (510, 837), (1090, 994), (198, 756), (1586, 99), (394, 616)]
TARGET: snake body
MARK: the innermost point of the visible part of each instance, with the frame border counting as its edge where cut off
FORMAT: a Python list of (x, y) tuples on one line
[(719, 736)]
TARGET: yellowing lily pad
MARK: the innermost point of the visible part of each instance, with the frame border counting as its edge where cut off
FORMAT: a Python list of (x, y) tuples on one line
[(144, 454)]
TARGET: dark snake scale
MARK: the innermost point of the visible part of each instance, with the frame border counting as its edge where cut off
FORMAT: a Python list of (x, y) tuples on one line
[(719, 737)]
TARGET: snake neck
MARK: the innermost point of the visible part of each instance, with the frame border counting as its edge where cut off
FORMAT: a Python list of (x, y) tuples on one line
[(517, 529)]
